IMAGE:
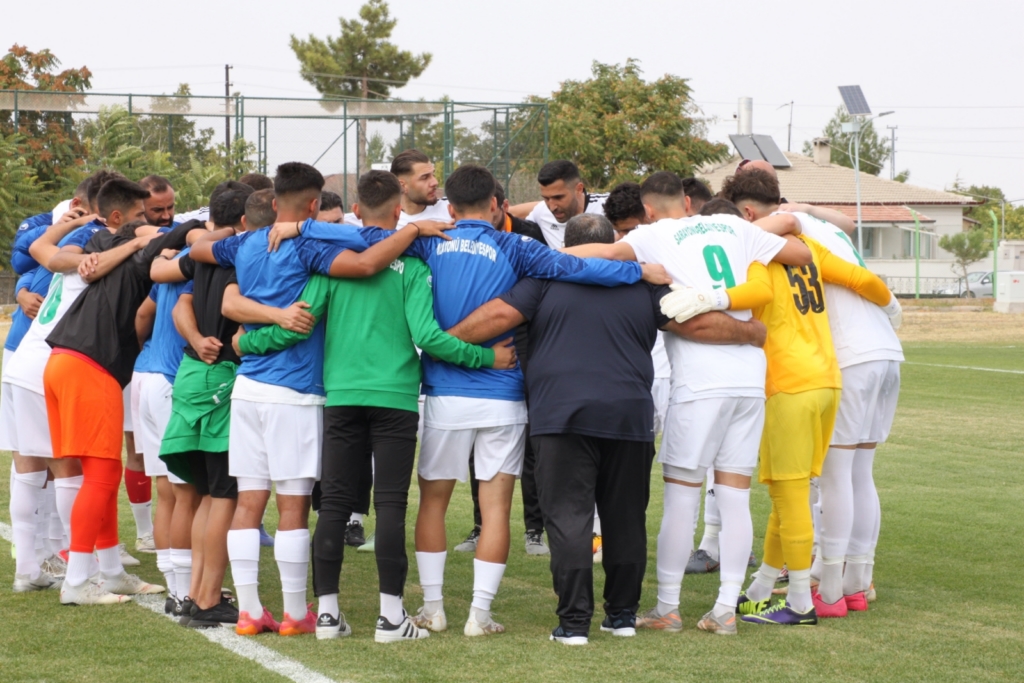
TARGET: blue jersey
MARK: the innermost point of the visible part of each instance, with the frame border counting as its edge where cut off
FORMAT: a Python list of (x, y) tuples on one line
[(168, 346), (277, 279), (145, 361), (28, 232), (38, 281), (476, 265)]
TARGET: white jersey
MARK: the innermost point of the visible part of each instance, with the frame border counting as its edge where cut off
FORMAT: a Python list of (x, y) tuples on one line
[(437, 212), (61, 209), (662, 367), (709, 252), (26, 366), (554, 232), (861, 331), (200, 214)]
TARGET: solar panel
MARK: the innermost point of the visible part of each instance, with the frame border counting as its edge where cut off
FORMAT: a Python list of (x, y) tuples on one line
[(770, 151), (744, 144), (854, 100)]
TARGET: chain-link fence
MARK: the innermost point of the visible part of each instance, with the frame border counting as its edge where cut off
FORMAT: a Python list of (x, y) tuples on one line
[(341, 137)]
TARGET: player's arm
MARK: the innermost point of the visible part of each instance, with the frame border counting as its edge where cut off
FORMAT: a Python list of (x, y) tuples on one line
[(838, 271), (55, 258), (532, 259), (28, 300), (315, 297), (793, 253), (184, 316), (619, 251), (202, 248), (685, 302), (166, 269), (144, 319), (487, 322), (780, 224), (95, 266), (352, 264), (836, 218), (523, 210), (428, 335), (295, 317), (719, 328)]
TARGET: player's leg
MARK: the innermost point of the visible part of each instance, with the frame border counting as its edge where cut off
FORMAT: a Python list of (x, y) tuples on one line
[(705, 559), (186, 502), (355, 532), (346, 449), (137, 487), (211, 609), (469, 545), (567, 471), (393, 433), (532, 517), (622, 492), (247, 458), (499, 453), (27, 482), (444, 459)]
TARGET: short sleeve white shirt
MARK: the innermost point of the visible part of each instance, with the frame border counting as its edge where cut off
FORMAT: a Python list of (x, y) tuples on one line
[(554, 232)]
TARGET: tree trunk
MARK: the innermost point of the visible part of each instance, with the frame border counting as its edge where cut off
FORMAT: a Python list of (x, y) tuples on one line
[(361, 132)]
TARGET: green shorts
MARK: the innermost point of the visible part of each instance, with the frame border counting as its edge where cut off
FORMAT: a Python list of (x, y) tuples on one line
[(200, 413)]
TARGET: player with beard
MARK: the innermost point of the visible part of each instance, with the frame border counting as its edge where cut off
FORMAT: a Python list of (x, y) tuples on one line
[(160, 205)]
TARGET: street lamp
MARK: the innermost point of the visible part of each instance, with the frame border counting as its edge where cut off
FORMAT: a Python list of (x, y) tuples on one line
[(857, 107)]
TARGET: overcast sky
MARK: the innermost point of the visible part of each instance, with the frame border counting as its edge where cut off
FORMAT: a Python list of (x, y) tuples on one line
[(951, 71)]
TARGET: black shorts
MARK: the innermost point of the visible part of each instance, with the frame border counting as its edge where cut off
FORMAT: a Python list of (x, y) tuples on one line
[(210, 475)]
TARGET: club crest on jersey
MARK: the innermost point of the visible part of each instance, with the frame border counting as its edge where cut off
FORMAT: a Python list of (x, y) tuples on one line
[(398, 265), (526, 238)]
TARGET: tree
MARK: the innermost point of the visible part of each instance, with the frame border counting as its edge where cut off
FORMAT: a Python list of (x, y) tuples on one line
[(47, 140), (967, 247), (20, 194), (874, 151), (617, 127), (175, 134), (361, 62)]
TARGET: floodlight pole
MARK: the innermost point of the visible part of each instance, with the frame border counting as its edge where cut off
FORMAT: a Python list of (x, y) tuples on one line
[(995, 250)]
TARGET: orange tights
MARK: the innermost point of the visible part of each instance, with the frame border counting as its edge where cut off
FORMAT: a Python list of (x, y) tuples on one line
[(94, 515)]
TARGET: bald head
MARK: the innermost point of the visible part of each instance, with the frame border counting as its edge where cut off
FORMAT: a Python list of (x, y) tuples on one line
[(760, 165)]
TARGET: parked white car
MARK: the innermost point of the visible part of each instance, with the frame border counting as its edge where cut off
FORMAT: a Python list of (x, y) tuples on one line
[(980, 285)]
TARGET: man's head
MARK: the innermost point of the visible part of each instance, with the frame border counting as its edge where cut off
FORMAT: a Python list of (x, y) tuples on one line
[(501, 207), (257, 181), (662, 196), (624, 209), (227, 208), (297, 188), (755, 193), (129, 230), (562, 189), (81, 198), (470, 190), (416, 174), (331, 208), (228, 185), (259, 210), (379, 199), (589, 228), (96, 181), (697, 194), (160, 205), (120, 201), (756, 165), (718, 205)]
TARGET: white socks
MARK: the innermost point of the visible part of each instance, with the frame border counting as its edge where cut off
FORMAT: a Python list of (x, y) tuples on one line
[(764, 581), (55, 529), (328, 604), (391, 608), (799, 596), (26, 491), (110, 561), (734, 506), (143, 514), (66, 490), (837, 515), (357, 518), (431, 569), (166, 567), (244, 555), (675, 541), (712, 519), (181, 558), (866, 521), (486, 579), (291, 550), (597, 522), (47, 509), (79, 568)]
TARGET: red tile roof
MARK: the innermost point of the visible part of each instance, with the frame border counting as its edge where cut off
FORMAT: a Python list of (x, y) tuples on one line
[(873, 213)]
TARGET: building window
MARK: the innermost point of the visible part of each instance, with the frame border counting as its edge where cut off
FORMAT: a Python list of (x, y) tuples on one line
[(926, 244), (869, 242)]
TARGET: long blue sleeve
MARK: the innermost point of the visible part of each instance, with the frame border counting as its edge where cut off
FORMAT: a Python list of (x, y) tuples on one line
[(530, 258), (337, 234), (28, 232)]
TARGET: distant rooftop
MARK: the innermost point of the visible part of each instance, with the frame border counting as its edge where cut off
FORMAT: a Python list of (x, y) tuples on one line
[(808, 182)]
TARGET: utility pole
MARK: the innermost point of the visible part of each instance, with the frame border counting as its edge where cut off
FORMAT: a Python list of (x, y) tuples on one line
[(227, 109), (892, 153), (789, 135)]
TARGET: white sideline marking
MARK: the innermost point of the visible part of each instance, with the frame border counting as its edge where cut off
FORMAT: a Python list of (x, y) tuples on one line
[(967, 367), (269, 659)]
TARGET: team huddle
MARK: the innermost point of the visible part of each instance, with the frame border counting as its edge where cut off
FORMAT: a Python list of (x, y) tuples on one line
[(271, 341)]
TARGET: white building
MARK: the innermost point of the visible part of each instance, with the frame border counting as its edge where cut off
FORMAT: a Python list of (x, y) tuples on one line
[(887, 213)]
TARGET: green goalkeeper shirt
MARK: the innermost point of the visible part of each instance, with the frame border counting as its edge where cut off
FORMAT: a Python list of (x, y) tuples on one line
[(373, 328)]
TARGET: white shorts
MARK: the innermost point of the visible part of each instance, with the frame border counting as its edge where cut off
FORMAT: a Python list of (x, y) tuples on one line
[(275, 441), (444, 453), (719, 433), (23, 424), (126, 396), (867, 404), (661, 390), (154, 412), (136, 388)]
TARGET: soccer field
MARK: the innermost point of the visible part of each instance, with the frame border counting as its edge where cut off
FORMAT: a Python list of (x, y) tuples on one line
[(951, 480)]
